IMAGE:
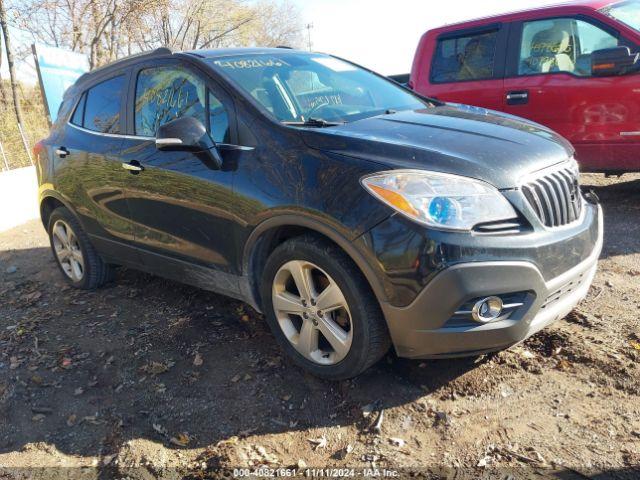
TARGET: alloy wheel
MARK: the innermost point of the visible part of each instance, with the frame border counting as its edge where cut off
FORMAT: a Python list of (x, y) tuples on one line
[(67, 250), (312, 312)]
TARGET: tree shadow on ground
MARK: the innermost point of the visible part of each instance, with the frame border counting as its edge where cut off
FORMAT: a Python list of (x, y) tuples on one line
[(87, 371)]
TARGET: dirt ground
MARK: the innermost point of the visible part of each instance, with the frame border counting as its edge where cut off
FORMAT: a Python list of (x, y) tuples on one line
[(146, 378)]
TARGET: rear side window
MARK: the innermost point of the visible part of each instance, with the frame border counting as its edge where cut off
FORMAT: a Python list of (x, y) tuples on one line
[(465, 58), (164, 94), (78, 115), (102, 106)]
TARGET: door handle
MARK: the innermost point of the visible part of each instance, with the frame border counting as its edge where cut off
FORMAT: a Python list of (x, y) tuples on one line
[(518, 97), (62, 152), (133, 166)]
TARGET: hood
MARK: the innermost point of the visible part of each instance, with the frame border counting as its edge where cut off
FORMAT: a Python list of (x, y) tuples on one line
[(469, 141)]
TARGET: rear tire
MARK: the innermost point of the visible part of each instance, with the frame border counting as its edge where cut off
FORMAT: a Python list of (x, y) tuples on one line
[(350, 334), (78, 261)]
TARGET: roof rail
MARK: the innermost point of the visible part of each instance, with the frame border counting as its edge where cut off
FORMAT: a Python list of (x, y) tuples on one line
[(137, 56), (285, 46)]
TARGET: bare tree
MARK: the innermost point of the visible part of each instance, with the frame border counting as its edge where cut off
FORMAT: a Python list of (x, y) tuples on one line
[(281, 24), (10, 62), (192, 24), (108, 29), (89, 26)]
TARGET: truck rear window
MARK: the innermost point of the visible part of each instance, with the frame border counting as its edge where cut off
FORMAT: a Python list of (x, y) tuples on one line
[(465, 58)]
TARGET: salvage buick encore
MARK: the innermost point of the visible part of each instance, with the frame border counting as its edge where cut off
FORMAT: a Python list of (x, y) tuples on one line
[(352, 212)]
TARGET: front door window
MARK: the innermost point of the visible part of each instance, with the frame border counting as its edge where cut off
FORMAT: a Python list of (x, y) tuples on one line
[(561, 45), (164, 94)]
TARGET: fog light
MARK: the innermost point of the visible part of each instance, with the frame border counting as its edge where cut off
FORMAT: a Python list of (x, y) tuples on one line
[(487, 309)]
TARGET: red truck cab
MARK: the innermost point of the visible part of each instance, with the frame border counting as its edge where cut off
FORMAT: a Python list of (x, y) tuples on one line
[(572, 67)]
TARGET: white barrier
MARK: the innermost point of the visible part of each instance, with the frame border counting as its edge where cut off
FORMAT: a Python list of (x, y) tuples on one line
[(18, 197)]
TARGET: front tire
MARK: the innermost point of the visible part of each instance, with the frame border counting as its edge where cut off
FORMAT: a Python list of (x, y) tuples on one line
[(322, 310), (79, 262)]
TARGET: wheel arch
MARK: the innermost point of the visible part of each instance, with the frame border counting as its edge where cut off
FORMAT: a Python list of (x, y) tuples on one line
[(274, 231), (49, 201)]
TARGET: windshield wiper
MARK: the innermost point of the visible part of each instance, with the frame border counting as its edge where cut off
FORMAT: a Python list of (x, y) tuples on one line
[(314, 122)]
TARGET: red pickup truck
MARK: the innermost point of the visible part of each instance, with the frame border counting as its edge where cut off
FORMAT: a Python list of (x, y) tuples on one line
[(572, 67)]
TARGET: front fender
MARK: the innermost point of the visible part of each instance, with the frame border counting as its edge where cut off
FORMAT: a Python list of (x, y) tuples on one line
[(362, 257)]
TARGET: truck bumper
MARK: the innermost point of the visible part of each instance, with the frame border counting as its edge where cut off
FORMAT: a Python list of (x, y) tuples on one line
[(427, 327)]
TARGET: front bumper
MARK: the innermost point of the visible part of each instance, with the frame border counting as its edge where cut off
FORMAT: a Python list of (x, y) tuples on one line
[(422, 330)]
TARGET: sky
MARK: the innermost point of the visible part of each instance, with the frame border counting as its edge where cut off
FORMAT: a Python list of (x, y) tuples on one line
[(26, 71), (379, 34), (383, 34)]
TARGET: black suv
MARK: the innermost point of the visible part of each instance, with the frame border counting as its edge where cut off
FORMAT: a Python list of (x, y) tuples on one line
[(355, 214)]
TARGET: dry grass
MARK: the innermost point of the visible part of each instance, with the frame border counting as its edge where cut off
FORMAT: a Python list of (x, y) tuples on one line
[(35, 126)]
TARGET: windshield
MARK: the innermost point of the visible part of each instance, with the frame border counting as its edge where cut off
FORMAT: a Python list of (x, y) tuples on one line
[(625, 12), (297, 87)]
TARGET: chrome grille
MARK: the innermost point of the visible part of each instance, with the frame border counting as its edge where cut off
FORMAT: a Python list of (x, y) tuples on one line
[(554, 195)]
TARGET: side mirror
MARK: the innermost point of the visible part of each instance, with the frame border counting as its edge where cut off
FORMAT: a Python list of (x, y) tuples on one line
[(188, 134), (613, 61)]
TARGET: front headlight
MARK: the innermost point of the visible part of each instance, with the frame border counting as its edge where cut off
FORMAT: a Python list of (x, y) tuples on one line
[(440, 200)]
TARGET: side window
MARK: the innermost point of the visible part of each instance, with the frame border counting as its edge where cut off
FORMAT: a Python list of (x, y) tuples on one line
[(102, 106), (464, 58), (78, 116), (218, 120), (561, 45), (164, 94)]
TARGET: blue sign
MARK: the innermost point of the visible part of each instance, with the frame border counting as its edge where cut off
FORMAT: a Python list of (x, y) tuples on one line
[(58, 69)]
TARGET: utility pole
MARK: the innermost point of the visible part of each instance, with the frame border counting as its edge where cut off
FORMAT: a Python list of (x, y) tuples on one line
[(309, 26)]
